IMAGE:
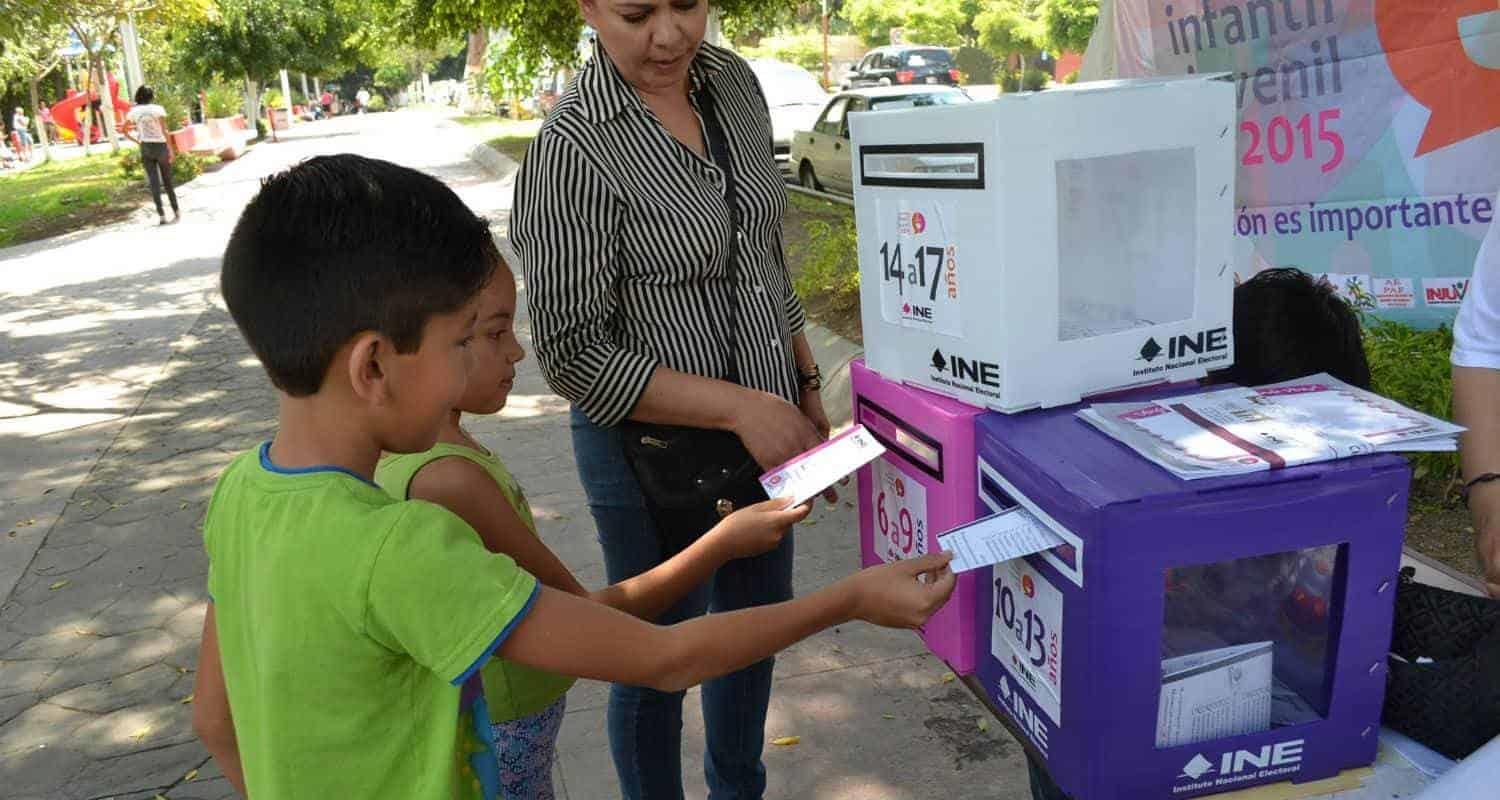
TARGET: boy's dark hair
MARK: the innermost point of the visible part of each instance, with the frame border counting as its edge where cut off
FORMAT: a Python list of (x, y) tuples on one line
[(144, 95), (1288, 325), (342, 244)]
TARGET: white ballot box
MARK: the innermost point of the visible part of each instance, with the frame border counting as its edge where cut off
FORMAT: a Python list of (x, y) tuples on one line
[(1041, 247)]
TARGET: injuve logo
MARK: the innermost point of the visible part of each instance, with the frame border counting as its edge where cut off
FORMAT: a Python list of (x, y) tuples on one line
[(1440, 53)]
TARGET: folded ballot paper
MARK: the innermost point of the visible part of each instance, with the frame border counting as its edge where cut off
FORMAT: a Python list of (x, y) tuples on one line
[(1238, 430), (1214, 694), (807, 475), (999, 537)]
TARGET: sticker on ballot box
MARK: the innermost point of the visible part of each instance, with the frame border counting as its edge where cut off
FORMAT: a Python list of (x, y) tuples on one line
[(917, 258), (900, 513), (1026, 633)]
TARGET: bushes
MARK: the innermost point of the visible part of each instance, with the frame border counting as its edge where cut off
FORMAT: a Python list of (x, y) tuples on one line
[(1412, 368), (185, 166), (1035, 80), (222, 100), (977, 65), (377, 103), (830, 268)]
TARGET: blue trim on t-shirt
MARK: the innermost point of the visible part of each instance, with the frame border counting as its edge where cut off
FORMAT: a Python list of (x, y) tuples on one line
[(270, 466), (504, 634)]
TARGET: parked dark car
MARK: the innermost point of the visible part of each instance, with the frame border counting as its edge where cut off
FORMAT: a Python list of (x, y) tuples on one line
[(901, 66)]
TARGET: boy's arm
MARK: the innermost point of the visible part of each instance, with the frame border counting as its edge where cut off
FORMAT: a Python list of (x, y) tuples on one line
[(569, 635), (212, 720), (463, 487)]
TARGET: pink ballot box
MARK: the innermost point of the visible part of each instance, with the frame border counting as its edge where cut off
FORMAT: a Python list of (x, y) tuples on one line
[(922, 486)]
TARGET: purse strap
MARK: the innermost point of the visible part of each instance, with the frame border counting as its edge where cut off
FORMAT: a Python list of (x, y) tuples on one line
[(718, 149)]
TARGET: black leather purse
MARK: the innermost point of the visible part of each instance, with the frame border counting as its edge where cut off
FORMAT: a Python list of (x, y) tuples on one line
[(693, 477)]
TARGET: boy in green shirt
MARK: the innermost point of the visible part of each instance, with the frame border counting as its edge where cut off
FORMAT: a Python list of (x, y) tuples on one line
[(342, 646)]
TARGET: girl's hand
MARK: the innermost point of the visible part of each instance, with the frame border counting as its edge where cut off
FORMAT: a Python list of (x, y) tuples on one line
[(902, 594), (757, 529)]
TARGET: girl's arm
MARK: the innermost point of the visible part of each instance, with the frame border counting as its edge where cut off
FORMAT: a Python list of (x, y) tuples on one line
[(463, 487)]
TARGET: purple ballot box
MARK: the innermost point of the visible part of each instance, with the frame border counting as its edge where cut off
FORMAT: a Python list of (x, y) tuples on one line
[(1191, 637), (922, 486)]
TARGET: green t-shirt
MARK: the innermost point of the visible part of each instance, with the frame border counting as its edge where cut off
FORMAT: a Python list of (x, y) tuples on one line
[(511, 690), (351, 627)]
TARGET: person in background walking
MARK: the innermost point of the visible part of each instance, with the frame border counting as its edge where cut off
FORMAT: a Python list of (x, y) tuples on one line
[(44, 114), (150, 123), (19, 125), (326, 100), (362, 98)]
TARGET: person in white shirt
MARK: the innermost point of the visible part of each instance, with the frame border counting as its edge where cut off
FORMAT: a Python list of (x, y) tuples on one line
[(19, 123), (363, 98), (1476, 401), (150, 123)]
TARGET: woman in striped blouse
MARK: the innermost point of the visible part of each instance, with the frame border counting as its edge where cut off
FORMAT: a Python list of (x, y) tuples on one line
[(623, 227)]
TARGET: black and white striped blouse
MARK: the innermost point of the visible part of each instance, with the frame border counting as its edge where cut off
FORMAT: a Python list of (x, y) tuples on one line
[(622, 232)]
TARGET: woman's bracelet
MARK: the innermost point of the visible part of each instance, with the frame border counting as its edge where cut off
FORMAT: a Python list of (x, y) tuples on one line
[(1468, 487)]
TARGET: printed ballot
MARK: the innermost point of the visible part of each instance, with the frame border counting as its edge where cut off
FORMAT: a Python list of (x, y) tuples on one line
[(1213, 694), (1238, 430), (999, 537), (807, 475)]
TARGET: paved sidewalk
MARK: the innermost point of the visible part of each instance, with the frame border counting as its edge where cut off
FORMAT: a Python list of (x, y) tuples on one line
[(129, 389)]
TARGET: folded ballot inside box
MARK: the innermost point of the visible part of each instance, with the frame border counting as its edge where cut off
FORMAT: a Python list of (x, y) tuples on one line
[(1214, 694), (1045, 246)]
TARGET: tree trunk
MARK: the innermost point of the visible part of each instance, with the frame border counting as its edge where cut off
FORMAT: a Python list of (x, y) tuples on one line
[(252, 100), (479, 46), (87, 128), (107, 109), (41, 127)]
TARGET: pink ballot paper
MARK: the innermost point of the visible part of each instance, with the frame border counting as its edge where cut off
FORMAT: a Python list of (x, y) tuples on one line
[(807, 475)]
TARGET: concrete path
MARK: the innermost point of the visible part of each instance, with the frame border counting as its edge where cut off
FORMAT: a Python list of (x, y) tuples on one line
[(126, 389)]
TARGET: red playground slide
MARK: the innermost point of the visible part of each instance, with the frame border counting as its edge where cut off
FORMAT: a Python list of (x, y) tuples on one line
[(66, 112)]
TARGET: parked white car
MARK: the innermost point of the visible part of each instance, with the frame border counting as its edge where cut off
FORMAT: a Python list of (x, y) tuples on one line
[(795, 99), (821, 156)]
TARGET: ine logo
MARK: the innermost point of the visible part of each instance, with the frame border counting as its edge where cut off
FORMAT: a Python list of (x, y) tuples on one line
[(1184, 345), (1197, 768), (1150, 350), (1282, 758), (967, 371)]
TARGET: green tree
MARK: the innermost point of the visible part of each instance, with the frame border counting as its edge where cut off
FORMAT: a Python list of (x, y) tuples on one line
[(27, 54), (251, 40), (1070, 23), (538, 34)]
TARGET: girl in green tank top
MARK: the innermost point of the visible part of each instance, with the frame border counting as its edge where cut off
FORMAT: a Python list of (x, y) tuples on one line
[(525, 704)]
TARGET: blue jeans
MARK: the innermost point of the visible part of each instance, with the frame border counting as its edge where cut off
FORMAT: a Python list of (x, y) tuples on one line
[(645, 726)]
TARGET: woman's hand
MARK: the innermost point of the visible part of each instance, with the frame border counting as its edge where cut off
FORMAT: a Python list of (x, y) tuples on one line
[(773, 430), (812, 408)]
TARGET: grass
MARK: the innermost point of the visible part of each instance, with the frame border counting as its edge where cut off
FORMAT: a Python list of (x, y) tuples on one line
[(62, 196), (510, 137), (822, 257)]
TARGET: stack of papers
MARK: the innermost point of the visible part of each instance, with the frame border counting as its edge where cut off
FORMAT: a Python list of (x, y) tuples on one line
[(1239, 430)]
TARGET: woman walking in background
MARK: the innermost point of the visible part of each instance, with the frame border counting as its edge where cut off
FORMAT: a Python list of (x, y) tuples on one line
[(150, 123)]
